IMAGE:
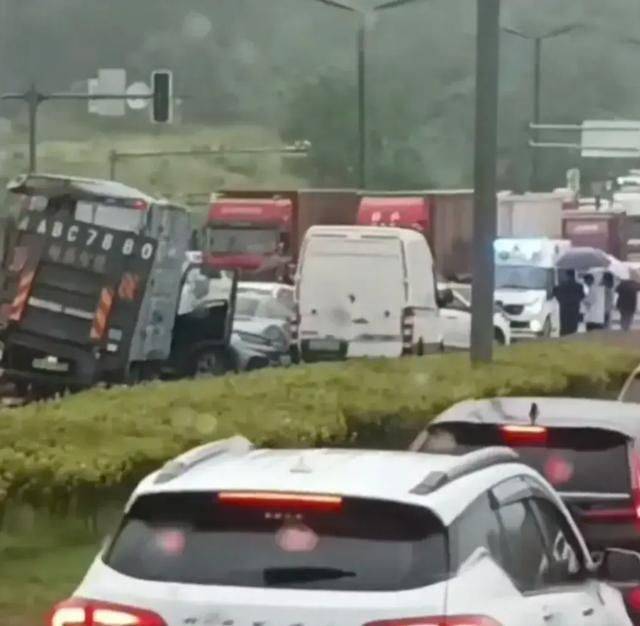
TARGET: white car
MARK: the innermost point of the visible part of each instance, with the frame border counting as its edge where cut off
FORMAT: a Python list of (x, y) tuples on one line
[(456, 319), (230, 535)]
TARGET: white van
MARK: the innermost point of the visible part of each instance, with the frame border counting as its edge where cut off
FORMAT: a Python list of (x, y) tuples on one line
[(525, 277), (364, 291)]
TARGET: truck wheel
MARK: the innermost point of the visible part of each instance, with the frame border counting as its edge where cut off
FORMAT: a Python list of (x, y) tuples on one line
[(210, 362)]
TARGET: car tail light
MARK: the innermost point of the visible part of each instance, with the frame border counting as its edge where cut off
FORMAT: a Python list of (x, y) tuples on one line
[(632, 600), (515, 435), (81, 612), (452, 620), (280, 500), (408, 323)]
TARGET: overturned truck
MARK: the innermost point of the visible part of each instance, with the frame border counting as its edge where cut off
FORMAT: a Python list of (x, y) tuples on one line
[(98, 285)]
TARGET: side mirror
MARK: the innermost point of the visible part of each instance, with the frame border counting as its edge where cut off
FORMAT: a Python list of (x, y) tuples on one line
[(445, 297), (619, 566)]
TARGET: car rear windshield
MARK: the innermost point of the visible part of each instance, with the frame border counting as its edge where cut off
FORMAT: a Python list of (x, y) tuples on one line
[(571, 459), (197, 538)]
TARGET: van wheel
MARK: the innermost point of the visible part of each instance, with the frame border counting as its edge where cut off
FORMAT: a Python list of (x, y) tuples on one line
[(420, 347), (498, 337)]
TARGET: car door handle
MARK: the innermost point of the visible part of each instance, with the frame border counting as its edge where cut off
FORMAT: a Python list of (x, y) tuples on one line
[(588, 612), (547, 614)]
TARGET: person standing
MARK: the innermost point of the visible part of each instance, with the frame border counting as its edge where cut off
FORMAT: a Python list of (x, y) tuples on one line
[(609, 285), (594, 304), (569, 294), (627, 303)]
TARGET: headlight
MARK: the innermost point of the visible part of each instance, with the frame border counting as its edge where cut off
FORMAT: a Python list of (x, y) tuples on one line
[(536, 326), (276, 338), (533, 308)]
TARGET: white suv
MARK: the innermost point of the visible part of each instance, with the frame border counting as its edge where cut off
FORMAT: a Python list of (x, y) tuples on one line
[(228, 535)]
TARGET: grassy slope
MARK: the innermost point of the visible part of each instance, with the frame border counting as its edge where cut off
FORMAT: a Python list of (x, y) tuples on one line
[(83, 149)]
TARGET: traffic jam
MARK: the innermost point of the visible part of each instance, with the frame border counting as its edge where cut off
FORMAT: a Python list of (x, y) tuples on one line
[(503, 512)]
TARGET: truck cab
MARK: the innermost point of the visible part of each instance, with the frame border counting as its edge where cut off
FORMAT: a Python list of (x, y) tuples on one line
[(250, 235), (91, 285), (525, 277)]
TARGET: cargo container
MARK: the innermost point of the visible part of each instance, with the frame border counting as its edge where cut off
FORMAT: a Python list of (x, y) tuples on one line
[(259, 232), (530, 215), (607, 231), (444, 217), (629, 201)]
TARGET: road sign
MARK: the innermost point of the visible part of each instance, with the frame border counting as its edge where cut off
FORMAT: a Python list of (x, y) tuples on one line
[(138, 89), (110, 81), (610, 139), (162, 85)]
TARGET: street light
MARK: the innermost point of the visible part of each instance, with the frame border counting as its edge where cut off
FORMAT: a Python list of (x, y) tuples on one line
[(363, 14), (537, 78)]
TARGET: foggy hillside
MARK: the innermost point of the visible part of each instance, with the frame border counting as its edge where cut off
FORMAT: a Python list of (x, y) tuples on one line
[(289, 66)]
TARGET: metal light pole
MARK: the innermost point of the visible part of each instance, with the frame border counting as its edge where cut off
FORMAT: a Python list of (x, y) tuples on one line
[(486, 149), (361, 61), (534, 182)]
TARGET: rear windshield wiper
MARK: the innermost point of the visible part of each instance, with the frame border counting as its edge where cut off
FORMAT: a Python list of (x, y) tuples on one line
[(287, 575)]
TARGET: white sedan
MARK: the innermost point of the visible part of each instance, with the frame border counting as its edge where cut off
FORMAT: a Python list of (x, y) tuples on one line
[(456, 318)]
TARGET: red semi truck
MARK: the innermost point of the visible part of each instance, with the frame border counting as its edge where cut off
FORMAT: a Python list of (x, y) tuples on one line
[(259, 232), (445, 218), (608, 231)]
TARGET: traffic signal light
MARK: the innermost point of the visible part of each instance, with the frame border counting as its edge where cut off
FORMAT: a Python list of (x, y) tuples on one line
[(162, 85)]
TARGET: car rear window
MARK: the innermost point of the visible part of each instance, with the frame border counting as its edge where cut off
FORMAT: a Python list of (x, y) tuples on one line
[(571, 459), (197, 538)]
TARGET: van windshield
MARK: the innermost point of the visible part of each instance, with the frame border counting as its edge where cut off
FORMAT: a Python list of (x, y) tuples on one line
[(524, 277), (222, 240), (364, 545)]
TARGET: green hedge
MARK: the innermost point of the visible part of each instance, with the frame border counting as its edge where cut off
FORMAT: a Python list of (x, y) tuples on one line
[(100, 440)]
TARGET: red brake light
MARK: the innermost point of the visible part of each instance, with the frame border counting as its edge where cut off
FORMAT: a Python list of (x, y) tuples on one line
[(632, 597), (81, 612), (140, 205), (280, 500), (452, 620), (514, 435)]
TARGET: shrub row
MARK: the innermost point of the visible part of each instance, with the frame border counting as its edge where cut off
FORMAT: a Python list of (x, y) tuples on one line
[(107, 439)]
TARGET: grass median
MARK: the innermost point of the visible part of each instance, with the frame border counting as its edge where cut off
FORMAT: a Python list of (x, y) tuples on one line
[(67, 458)]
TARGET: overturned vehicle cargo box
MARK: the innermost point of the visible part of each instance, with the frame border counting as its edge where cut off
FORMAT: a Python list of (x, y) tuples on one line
[(91, 279)]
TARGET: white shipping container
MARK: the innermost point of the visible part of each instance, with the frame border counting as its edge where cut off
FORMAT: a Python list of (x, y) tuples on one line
[(530, 215)]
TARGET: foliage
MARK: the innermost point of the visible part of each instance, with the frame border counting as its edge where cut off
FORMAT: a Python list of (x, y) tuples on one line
[(290, 65), (101, 440)]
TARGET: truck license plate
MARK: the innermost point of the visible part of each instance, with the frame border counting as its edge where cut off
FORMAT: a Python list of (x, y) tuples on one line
[(324, 345), (50, 365)]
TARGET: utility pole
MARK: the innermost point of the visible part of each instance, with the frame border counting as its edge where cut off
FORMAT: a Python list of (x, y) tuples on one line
[(534, 182), (537, 81), (486, 148), (361, 57), (362, 107)]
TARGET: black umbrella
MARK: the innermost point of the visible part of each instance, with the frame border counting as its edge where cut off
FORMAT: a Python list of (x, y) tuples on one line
[(583, 259)]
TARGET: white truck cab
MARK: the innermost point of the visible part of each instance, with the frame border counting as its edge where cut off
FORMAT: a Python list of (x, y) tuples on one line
[(525, 276), (364, 291)]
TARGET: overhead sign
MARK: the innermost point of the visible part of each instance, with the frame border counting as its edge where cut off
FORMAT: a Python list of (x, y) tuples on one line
[(109, 81), (610, 139)]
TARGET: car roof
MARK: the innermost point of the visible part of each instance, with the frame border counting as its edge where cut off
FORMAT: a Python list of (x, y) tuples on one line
[(559, 412), (373, 474)]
